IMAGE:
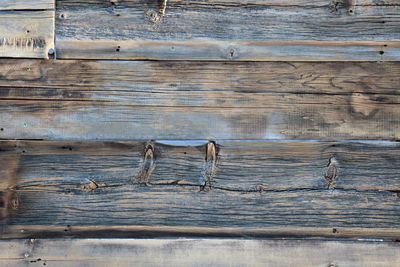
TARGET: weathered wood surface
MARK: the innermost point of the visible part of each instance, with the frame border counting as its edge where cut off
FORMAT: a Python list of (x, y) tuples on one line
[(27, 28), (226, 30), (197, 252), (26, 4), (191, 100), (254, 185)]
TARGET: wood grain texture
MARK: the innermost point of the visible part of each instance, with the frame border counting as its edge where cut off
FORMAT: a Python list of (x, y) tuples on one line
[(8, 180), (26, 4), (87, 100), (197, 252), (26, 34), (212, 50), (226, 30), (94, 184), (241, 165)]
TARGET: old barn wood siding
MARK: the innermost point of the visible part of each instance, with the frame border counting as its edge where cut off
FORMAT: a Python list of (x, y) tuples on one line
[(229, 30), (188, 100), (26, 28), (204, 132), (254, 185), (197, 252)]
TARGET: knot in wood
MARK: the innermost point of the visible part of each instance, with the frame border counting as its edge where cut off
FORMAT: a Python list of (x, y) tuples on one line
[(147, 166), (331, 173), (209, 166)]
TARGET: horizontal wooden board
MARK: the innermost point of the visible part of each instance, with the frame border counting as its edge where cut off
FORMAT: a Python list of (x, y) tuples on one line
[(254, 185), (184, 206), (26, 34), (197, 252), (240, 166), (191, 100), (226, 30), (202, 50), (26, 4)]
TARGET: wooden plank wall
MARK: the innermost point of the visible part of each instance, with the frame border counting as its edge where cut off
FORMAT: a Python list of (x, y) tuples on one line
[(204, 132)]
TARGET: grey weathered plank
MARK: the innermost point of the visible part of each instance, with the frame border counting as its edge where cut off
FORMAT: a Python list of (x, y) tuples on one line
[(26, 4), (229, 50), (294, 165), (186, 206), (221, 30), (189, 100), (240, 165), (197, 252), (26, 34), (94, 184)]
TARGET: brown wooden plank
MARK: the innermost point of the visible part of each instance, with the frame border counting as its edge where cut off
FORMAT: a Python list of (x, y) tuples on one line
[(26, 34), (226, 30), (8, 180), (27, 4), (95, 184), (197, 252), (189, 100)]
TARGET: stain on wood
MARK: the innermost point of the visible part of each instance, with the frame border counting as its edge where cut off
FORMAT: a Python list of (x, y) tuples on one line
[(9, 201)]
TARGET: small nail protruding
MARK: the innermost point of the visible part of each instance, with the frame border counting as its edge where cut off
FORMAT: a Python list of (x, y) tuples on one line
[(51, 53)]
